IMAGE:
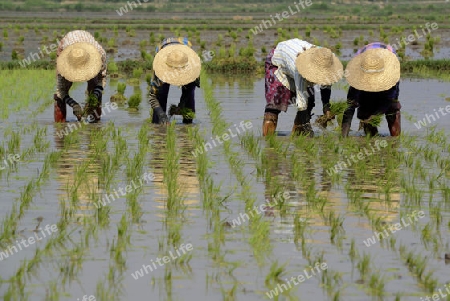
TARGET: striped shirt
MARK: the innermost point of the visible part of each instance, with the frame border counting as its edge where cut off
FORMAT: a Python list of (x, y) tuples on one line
[(284, 58), (77, 36), (179, 40)]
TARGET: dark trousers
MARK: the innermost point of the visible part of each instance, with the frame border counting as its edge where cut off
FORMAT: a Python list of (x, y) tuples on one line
[(325, 95), (187, 99)]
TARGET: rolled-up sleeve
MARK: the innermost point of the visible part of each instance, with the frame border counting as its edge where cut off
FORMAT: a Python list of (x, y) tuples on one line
[(103, 72), (301, 92), (154, 87)]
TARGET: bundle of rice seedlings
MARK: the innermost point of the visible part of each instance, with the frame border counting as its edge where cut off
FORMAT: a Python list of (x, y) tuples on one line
[(185, 112), (374, 120), (91, 104), (337, 108), (135, 100), (119, 96)]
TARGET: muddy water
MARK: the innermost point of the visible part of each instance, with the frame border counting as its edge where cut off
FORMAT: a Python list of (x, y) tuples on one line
[(225, 261), (245, 100)]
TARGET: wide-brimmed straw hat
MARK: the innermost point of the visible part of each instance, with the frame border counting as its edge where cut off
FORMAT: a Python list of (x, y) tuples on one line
[(320, 66), (177, 65), (79, 62), (374, 70)]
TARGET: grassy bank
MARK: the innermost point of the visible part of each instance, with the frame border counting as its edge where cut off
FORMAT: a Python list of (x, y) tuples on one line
[(439, 69)]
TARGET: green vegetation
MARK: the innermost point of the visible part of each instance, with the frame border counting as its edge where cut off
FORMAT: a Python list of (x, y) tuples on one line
[(135, 100), (120, 95), (311, 212), (229, 35), (119, 153)]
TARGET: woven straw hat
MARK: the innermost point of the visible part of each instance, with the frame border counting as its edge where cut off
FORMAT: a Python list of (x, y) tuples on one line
[(177, 65), (320, 66), (374, 70), (79, 62)]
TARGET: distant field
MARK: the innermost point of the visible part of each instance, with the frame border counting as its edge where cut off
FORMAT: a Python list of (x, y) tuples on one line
[(238, 35), (339, 7)]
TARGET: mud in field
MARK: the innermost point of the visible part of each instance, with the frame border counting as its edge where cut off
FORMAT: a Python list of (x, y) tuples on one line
[(98, 255)]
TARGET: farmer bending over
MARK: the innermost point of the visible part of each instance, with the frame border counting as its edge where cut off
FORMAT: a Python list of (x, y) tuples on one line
[(293, 67), (176, 64), (373, 75), (79, 58)]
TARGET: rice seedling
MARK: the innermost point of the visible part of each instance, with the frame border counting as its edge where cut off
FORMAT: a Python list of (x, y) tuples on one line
[(14, 142), (40, 143), (209, 190), (234, 35), (160, 37), (137, 73), (131, 33), (258, 227), (428, 50), (152, 38), (417, 266), (171, 171), (308, 31), (120, 95), (376, 284), (363, 266), (14, 55), (142, 44), (135, 100), (276, 273), (113, 70), (335, 222)]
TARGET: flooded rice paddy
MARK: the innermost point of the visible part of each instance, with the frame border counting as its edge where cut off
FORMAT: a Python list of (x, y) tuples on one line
[(127, 210)]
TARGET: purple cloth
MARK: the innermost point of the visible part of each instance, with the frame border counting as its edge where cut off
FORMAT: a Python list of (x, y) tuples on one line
[(375, 45), (278, 96)]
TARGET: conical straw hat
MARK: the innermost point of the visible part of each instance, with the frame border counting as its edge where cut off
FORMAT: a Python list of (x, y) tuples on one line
[(374, 70), (320, 66), (79, 62), (177, 65)]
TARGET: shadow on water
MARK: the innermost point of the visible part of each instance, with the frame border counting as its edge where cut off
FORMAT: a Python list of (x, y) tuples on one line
[(77, 174), (242, 98), (373, 182), (187, 178)]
